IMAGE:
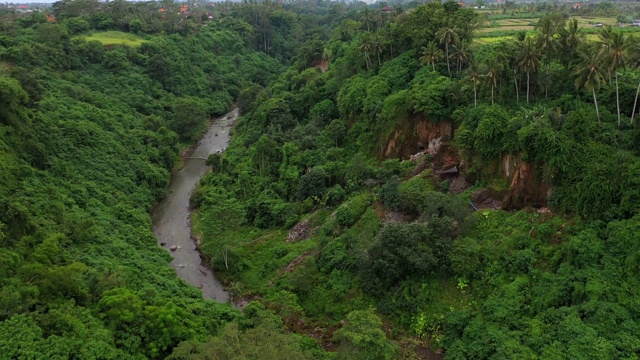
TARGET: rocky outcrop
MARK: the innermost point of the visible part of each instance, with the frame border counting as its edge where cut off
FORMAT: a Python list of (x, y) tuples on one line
[(484, 199), (416, 135), (526, 184), (321, 64), (428, 143), (300, 231), (458, 185)]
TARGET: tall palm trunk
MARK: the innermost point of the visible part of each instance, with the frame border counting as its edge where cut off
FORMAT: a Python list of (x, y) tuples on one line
[(446, 48), (547, 79), (596, 103), (617, 99), (527, 86), (433, 66), (635, 102), (491, 94), (515, 80), (475, 95)]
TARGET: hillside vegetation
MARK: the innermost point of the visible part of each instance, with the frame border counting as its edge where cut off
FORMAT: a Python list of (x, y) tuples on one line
[(342, 216)]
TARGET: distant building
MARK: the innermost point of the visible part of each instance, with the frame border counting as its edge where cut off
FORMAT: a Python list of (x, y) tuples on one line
[(576, 6)]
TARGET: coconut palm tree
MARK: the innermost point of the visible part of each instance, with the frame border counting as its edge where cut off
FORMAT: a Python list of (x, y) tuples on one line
[(605, 35), (474, 77), (446, 36), (460, 54), (590, 73), (529, 60), (492, 75), (615, 59), (365, 47), (635, 102), (571, 37), (634, 60), (431, 54), (377, 48), (547, 42)]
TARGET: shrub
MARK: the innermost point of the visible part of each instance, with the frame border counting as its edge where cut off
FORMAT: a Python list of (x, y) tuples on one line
[(349, 213), (335, 195), (413, 193), (389, 194), (312, 184)]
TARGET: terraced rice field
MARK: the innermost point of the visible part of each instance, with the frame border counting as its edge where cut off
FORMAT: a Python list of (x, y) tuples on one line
[(501, 29)]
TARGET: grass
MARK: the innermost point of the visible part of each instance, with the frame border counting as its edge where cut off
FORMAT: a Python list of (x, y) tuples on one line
[(502, 28), (116, 38), (491, 40)]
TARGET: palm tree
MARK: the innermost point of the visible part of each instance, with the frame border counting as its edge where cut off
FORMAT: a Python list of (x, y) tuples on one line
[(492, 75), (590, 74), (615, 59), (446, 36), (605, 35), (529, 60), (635, 52), (460, 54), (365, 47), (547, 42), (366, 16), (431, 55), (474, 77), (377, 48), (635, 102), (571, 37)]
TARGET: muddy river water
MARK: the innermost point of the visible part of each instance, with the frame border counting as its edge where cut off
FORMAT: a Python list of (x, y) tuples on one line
[(171, 224)]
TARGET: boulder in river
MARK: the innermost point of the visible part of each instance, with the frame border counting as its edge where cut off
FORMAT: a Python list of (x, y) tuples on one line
[(174, 248)]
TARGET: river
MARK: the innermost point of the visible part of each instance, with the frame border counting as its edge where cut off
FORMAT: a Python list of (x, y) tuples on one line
[(171, 224)]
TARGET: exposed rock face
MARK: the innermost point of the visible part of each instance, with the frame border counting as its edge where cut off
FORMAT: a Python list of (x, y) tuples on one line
[(393, 217), (299, 232), (419, 137), (321, 64), (526, 185), (418, 134), (483, 199), (458, 185)]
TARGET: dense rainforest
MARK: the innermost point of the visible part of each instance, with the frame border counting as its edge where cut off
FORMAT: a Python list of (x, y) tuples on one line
[(402, 182)]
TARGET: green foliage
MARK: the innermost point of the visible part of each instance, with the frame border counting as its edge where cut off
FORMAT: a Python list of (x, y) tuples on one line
[(390, 194), (362, 337), (335, 195), (312, 184), (413, 193), (489, 135), (265, 338), (431, 95), (13, 100), (86, 150), (90, 133), (402, 251), (189, 118), (348, 213)]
